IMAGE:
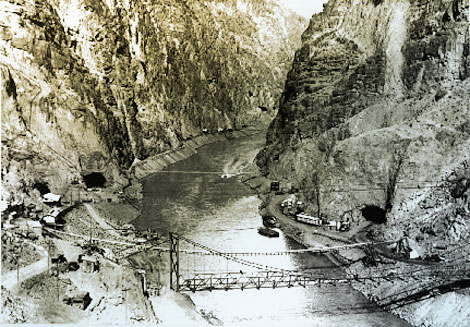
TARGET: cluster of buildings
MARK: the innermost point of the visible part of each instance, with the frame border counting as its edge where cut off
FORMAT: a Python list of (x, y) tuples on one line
[(29, 220)]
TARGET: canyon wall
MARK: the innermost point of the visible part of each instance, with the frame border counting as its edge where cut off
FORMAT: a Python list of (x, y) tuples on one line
[(374, 118), (95, 86)]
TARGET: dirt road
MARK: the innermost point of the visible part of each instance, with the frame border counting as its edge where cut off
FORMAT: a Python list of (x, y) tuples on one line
[(10, 279), (101, 222)]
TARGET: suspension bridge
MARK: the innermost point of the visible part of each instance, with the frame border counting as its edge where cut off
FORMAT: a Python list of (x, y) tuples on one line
[(256, 275), (195, 267)]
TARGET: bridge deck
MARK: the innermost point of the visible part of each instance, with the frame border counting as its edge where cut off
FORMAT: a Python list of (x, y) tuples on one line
[(276, 279)]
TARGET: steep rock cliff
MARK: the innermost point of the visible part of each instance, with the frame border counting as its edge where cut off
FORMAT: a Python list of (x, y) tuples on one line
[(375, 113), (92, 86)]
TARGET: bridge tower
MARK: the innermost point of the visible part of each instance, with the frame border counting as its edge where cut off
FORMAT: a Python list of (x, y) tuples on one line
[(174, 262)]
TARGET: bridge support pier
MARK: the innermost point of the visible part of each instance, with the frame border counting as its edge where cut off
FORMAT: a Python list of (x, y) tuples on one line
[(174, 262)]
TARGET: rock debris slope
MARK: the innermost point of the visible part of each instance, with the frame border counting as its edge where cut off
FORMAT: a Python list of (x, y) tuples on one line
[(93, 86)]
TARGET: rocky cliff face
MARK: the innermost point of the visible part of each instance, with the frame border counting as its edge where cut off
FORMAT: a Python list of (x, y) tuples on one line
[(375, 116), (93, 86)]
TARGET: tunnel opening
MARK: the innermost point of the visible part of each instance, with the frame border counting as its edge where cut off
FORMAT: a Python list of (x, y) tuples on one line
[(264, 109), (42, 187), (94, 179), (374, 214)]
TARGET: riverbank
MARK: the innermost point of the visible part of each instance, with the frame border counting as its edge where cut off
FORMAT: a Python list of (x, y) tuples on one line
[(317, 237), (141, 169), (393, 295)]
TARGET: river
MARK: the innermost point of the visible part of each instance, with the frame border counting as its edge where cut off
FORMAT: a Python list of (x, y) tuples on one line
[(191, 199)]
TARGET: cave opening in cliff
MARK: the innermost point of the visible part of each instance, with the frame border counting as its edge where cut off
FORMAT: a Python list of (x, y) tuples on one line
[(374, 214), (94, 179), (42, 187)]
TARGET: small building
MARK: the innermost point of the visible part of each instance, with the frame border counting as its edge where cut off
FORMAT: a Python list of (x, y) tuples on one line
[(51, 198), (54, 219), (344, 225), (89, 264), (49, 221), (289, 201), (54, 212), (58, 259), (82, 300), (34, 226), (274, 186), (333, 224)]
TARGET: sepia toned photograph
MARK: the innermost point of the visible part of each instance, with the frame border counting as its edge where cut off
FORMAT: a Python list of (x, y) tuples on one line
[(235, 163)]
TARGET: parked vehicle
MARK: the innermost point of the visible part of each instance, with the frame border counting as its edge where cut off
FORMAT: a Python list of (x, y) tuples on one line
[(339, 225), (315, 221)]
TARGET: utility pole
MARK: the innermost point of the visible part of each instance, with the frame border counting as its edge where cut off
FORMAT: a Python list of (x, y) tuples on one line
[(17, 260), (48, 257), (125, 290), (91, 237), (17, 270), (158, 282), (57, 281)]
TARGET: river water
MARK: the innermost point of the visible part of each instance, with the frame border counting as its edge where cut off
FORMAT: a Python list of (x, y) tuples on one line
[(191, 199)]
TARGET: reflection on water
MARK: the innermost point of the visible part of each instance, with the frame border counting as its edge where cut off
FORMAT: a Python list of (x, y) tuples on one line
[(223, 213)]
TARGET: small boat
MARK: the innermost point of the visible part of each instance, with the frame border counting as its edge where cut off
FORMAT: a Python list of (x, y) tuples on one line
[(268, 232)]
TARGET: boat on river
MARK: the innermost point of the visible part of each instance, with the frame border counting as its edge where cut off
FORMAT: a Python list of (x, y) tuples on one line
[(270, 222), (268, 232)]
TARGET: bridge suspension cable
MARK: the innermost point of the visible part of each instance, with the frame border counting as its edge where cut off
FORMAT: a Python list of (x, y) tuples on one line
[(233, 258), (287, 252)]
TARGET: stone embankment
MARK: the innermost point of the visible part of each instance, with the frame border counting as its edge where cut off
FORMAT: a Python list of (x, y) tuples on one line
[(141, 169)]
